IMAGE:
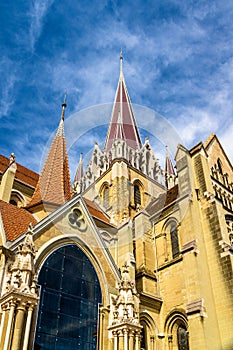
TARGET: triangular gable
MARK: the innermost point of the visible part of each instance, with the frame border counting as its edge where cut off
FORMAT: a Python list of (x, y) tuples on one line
[(215, 150), (73, 223)]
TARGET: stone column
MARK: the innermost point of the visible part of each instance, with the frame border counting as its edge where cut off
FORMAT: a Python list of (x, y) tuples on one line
[(131, 340), (137, 341), (115, 343), (125, 332), (9, 326), (121, 341), (2, 323), (152, 342), (19, 326), (170, 342), (28, 326)]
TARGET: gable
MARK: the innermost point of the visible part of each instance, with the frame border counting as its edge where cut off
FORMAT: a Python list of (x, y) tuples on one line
[(73, 224), (215, 152)]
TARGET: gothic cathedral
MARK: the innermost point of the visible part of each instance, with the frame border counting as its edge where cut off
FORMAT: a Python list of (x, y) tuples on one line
[(129, 256)]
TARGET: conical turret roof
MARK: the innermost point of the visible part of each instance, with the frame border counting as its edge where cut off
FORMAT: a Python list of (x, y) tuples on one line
[(123, 124), (54, 181)]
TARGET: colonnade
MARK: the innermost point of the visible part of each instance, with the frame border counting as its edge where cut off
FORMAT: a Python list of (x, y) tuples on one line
[(16, 322)]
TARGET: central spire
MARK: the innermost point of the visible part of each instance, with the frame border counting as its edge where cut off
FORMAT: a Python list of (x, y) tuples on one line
[(123, 124)]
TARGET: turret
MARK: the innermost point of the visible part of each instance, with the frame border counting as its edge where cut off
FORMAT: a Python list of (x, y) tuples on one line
[(53, 187)]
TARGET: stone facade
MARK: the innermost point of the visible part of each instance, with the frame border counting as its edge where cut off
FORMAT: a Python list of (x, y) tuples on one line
[(160, 244)]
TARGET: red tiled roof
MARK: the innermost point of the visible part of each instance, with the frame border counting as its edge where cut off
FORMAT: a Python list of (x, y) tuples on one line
[(54, 182), (23, 174), (15, 220), (96, 211), (163, 200)]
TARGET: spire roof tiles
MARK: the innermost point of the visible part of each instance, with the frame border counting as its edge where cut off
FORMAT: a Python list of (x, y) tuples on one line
[(54, 181), (123, 124)]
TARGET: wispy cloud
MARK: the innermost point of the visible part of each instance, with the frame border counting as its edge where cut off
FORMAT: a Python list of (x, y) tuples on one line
[(8, 75), (177, 61), (38, 11)]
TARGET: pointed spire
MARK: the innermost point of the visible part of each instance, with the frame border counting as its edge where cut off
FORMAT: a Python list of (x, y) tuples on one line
[(169, 170), (79, 172), (54, 181), (123, 124)]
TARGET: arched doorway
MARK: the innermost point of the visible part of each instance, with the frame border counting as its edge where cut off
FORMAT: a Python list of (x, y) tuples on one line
[(69, 298)]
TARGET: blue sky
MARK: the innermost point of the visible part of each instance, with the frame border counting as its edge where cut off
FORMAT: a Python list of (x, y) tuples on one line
[(178, 61)]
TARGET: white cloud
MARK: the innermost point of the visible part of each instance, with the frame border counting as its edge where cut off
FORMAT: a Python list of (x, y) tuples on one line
[(38, 11), (8, 77), (226, 140)]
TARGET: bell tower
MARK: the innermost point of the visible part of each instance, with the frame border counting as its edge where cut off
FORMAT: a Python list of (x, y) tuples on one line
[(124, 176)]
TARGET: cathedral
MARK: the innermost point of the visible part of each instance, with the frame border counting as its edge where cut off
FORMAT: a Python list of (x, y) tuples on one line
[(130, 255)]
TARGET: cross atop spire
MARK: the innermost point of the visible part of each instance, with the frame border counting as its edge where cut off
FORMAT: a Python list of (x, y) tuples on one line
[(123, 124)]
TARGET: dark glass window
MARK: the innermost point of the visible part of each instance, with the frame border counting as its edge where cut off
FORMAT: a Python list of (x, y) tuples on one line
[(174, 240), (182, 338), (68, 309), (143, 338), (137, 195)]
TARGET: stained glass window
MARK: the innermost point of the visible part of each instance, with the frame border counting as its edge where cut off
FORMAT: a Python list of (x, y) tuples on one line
[(68, 308), (182, 337)]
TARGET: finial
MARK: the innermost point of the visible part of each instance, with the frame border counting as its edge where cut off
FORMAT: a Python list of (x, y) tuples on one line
[(64, 102), (12, 158), (121, 63), (64, 105), (121, 55)]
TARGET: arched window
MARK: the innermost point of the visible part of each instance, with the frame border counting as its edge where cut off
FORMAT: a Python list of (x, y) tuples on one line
[(17, 198), (176, 327), (182, 338), (143, 339), (137, 195), (219, 163), (69, 297), (174, 240), (106, 197)]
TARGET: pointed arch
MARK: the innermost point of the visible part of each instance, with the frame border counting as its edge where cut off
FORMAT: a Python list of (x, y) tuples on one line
[(177, 330), (149, 331), (138, 191), (104, 194), (170, 230), (70, 293)]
